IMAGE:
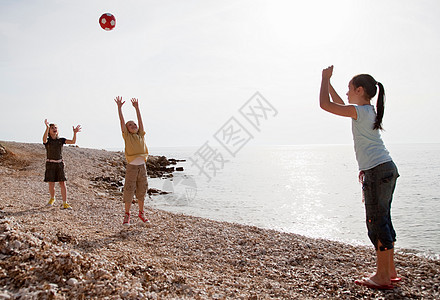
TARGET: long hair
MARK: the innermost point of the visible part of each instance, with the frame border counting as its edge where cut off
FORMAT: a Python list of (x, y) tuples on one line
[(48, 133), (368, 83)]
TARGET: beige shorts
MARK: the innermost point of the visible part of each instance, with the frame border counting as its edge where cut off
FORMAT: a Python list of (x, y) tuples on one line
[(135, 182)]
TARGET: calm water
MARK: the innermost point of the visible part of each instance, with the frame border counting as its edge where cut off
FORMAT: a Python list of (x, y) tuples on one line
[(309, 190)]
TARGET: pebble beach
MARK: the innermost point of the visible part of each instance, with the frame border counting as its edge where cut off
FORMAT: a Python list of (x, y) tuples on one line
[(85, 253)]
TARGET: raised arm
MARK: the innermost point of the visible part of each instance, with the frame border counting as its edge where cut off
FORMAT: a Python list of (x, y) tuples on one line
[(334, 95), (75, 131), (119, 102), (46, 132), (324, 98), (135, 103)]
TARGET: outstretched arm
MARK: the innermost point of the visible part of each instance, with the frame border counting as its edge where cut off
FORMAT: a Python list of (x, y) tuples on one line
[(119, 102), (135, 103), (46, 132), (75, 131), (324, 98)]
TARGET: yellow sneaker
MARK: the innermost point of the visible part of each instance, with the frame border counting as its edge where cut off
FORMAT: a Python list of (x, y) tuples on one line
[(51, 201), (66, 206)]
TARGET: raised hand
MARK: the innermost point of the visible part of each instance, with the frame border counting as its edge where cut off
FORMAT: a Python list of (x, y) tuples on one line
[(119, 101), (76, 129), (135, 102), (46, 122), (327, 72)]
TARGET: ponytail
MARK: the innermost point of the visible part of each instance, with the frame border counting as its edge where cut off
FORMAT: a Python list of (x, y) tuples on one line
[(369, 85), (380, 107)]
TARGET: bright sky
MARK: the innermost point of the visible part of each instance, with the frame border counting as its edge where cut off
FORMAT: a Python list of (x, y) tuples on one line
[(193, 64)]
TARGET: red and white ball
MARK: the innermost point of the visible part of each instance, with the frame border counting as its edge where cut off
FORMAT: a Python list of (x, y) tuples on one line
[(107, 21)]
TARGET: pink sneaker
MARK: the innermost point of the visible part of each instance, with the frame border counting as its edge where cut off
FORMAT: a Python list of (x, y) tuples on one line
[(126, 219), (142, 217)]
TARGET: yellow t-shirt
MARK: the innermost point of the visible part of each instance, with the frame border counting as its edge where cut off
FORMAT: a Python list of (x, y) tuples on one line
[(135, 145)]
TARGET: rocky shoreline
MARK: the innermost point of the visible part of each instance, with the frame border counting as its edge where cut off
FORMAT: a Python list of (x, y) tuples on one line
[(50, 253), (112, 181)]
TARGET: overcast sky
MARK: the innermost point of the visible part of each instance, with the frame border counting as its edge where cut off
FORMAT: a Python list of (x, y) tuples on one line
[(193, 64)]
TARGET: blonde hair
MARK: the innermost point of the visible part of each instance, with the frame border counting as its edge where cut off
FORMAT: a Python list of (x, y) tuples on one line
[(50, 126)]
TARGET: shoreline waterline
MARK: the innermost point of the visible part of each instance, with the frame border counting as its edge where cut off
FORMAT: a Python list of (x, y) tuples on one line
[(312, 191), (223, 201)]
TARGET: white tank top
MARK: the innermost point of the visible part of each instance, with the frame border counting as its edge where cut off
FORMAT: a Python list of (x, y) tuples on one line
[(368, 145)]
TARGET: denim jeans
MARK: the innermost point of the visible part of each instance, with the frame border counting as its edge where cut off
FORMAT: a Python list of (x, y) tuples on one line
[(378, 188)]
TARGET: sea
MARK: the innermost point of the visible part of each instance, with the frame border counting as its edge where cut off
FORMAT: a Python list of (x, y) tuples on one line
[(311, 190)]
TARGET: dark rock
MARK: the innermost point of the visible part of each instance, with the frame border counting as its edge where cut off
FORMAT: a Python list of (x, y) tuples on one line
[(168, 170), (2, 150), (158, 166), (163, 161), (173, 161), (156, 191), (62, 237)]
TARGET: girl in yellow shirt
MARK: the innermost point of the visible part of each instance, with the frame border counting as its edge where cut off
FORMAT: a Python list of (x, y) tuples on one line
[(136, 154)]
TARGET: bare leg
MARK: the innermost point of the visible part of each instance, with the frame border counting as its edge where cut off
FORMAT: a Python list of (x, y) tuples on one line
[(393, 271), (127, 207), (384, 266), (52, 190), (141, 205), (63, 191)]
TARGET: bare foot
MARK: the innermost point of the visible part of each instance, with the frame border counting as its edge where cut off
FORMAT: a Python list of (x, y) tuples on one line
[(370, 283), (380, 280)]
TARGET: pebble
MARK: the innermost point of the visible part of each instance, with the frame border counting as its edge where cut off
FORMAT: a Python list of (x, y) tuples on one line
[(4, 296), (72, 282)]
